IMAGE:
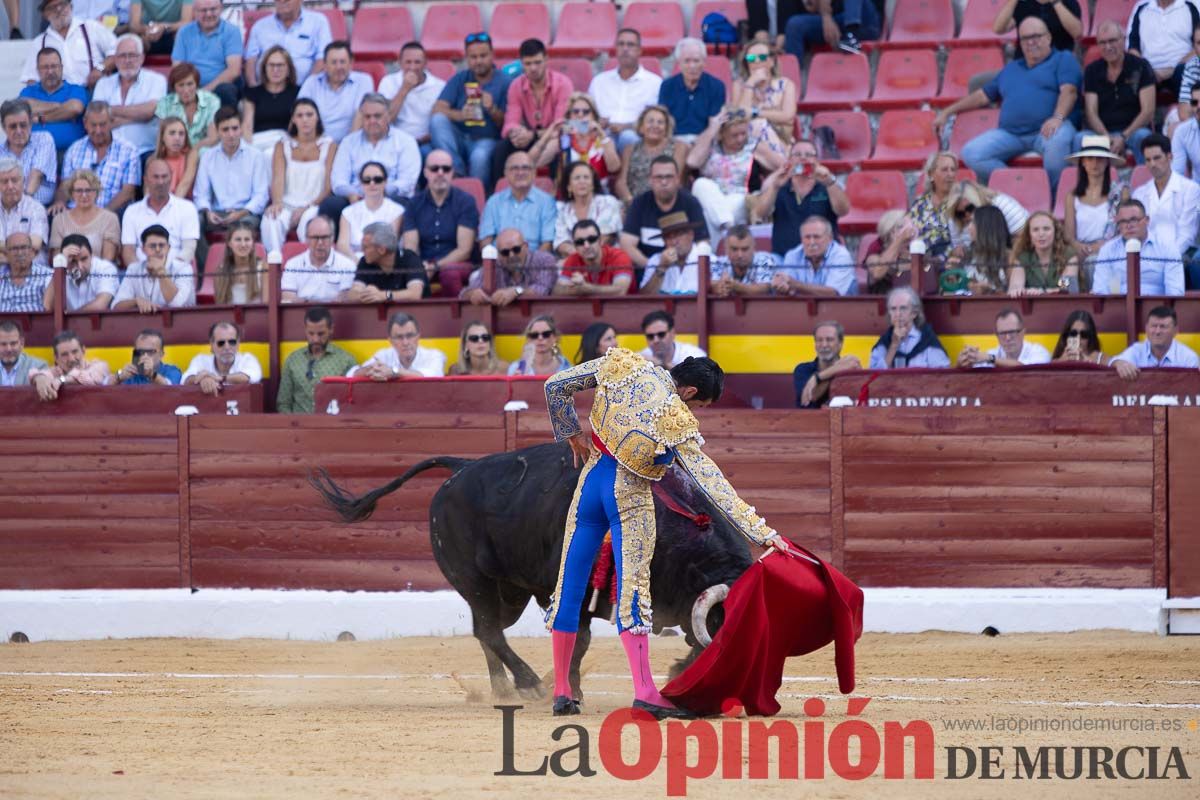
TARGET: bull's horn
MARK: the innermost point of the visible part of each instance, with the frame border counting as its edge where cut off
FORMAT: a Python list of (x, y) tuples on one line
[(704, 603)]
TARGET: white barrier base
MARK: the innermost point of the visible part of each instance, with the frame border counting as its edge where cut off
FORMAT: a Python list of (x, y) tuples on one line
[(321, 616), (1183, 615)]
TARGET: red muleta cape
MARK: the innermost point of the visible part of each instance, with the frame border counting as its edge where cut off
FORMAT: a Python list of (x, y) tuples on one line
[(783, 605)]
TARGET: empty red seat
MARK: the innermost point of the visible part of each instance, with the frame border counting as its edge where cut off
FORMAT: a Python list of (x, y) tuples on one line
[(473, 187), (442, 69), (872, 192), (445, 27), (852, 132), (970, 124), (585, 29), (836, 81), (292, 249), (660, 25), (1116, 10), (376, 69), (1141, 174), (733, 11), (904, 79), (789, 67), (513, 23), (1027, 185), (904, 141), (651, 63), (920, 23), (337, 23), (1069, 179), (977, 23), (579, 70), (962, 64), (380, 31)]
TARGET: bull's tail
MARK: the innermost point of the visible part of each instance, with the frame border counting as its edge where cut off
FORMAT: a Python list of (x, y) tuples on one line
[(356, 509)]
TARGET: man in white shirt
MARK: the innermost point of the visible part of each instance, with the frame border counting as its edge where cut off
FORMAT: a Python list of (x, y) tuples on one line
[(92, 282), (622, 93), (1158, 349), (1013, 350), (405, 358), (675, 269), (160, 207), (1161, 271), (225, 365), (320, 274), (1171, 200), (818, 266), (411, 93), (158, 280), (659, 329), (132, 93), (87, 46), (1160, 31)]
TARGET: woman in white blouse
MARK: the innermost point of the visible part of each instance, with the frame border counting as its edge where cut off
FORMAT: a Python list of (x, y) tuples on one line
[(375, 206), (300, 176)]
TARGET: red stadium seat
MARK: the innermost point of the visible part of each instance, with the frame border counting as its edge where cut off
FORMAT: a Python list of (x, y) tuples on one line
[(962, 64), (864, 244), (376, 69), (904, 79), (964, 174), (977, 23), (919, 24), (1141, 174), (337, 23), (836, 81), (442, 69), (250, 17), (904, 141), (852, 131), (733, 11), (789, 67), (513, 23), (660, 25), (872, 193), (579, 70), (445, 27), (1069, 179), (293, 249), (473, 187), (1028, 186), (1116, 10), (651, 63), (380, 31), (970, 124), (585, 29), (161, 69)]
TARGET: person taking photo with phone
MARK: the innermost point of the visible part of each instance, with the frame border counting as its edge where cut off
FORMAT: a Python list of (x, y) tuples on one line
[(801, 188)]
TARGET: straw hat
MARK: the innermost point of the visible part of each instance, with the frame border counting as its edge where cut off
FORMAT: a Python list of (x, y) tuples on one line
[(1097, 147)]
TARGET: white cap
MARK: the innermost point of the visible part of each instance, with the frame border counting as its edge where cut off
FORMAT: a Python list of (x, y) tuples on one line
[(916, 247), (1133, 245), (60, 261), (841, 401), (186, 411), (490, 252), (703, 249), (274, 257)]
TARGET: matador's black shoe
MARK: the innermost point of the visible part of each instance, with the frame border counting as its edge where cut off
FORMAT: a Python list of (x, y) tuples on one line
[(565, 706), (663, 712)]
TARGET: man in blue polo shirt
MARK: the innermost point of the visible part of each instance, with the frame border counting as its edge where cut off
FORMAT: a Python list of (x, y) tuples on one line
[(440, 222), (214, 47), (692, 96), (57, 106), (470, 110), (304, 34), (1037, 96)]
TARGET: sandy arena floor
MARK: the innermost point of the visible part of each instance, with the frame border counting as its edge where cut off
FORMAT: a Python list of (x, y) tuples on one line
[(413, 718)]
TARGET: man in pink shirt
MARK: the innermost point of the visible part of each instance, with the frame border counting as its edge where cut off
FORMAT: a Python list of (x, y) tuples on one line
[(71, 365), (536, 100)]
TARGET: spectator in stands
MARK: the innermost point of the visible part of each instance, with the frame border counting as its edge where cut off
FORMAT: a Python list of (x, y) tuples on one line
[(812, 379), (1043, 262), (842, 24), (379, 142), (659, 329), (320, 274), (114, 162), (301, 175), (232, 183), (1191, 77), (441, 220), (1037, 94), (984, 261), (691, 96), (519, 269), (158, 280), (18, 211), (338, 91), (33, 149), (595, 341), (587, 141), (224, 366), (99, 225), (1171, 200), (158, 22), (405, 358), (536, 100), (387, 272), (1091, 208), (819, 266), (909, 340), (374, 207), (724, 155), (1161, 267), (928, 211), (1079, 340), (92, 282), (623, 93), (304, 368), (477, 352), (767, 97), (641, 237), (887, 259), (1185, 141), (1126, 84), (132, 94), (674, 269), (469, 112), (412, 93), (267, 108), (195, 106), (584, 198), (86, 45), (71, 366), (176, 149), (1158, 349), (966, 197), (57, 105), (1013, 350), (214, 47), (160, 208), (15, 363), (801, 188), (520, 205), (147, 367), (304, 34), (593, 267), (741, 271), (656, 137), (541, 355), (1162, 32), (1063, 19), (241, 277), (24, 285)]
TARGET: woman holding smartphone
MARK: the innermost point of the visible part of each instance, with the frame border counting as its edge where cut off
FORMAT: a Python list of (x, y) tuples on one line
[(579, 137)]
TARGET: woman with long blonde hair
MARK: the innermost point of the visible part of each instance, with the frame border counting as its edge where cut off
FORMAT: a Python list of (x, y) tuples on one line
[(175, 148), (240, 279), (541, 355), (477, 352), (588, 141), (1043, 261)]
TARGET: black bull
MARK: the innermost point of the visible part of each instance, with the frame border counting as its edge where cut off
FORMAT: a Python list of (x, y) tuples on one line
[(496, 527)]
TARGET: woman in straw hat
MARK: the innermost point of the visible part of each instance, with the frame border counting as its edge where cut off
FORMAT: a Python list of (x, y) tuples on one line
[(1091, 208)]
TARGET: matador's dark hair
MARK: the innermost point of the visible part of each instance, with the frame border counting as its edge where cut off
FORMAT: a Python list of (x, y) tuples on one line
[(704, 374)]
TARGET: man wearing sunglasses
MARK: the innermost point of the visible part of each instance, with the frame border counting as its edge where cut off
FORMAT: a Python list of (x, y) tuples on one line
[(147, 366), (225, 365), (440, 222), (470, 110), (659, 330), (594, 268), (520, 270)]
